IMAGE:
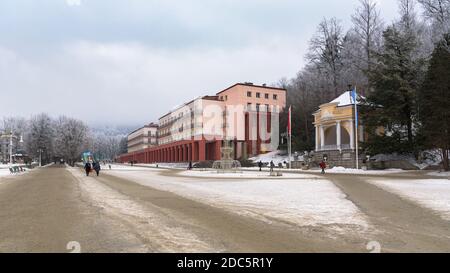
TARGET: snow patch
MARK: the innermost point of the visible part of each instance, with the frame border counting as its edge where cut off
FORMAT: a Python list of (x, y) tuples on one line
[(440, 174), (151, 223), (429, 158), (360, 171), (245, 174), (431, 193), (276, 156), (306, 201)]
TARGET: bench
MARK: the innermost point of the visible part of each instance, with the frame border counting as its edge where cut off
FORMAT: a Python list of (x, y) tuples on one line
[(16, 170)]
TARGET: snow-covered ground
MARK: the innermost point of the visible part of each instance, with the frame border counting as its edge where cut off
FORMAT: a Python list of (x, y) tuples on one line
[(429, 158), (337, 170), (243, 174), (430, 193), (4, 170), (183, 166), (154, 224), (121, 167), (276, 156), (440, 174), (304, 201), (360, 171)]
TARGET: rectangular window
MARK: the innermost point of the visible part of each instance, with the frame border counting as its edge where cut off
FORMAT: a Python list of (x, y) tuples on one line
[(257, 107), (275, 97), (249, 94), (266, 96), (258, 95)]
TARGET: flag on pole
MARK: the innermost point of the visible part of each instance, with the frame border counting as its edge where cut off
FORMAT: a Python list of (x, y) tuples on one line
[(289, 121), (355, 101)]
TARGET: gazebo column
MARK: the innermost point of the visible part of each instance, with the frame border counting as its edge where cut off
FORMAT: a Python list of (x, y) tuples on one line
[(338, 135), (322, 137), (352, 135)]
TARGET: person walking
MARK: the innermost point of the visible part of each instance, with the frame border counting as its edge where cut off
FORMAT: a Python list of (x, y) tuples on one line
[(97, 168), (323, 166), (272, 165), (87, 168), (260, 164), (190, 165)]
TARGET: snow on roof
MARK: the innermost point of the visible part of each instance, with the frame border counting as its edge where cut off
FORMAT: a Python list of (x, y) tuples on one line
[(345, 99)]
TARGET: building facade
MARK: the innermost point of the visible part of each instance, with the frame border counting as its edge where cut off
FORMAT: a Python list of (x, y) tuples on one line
[(244, 114), (143, 138), (5, 142), (336, 132)]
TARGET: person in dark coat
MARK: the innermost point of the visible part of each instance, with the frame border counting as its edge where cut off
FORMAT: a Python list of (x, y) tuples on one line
[(260, 164), (97, 168), (190, 165), (87, 168), (272, 165)]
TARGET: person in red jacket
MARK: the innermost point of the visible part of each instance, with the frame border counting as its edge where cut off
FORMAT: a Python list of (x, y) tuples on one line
[(323, 166)]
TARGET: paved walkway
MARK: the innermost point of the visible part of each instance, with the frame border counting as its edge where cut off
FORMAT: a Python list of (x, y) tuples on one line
[(43, 210), (403, 225)]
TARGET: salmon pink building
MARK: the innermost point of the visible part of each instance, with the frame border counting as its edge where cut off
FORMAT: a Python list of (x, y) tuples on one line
[(244, 114)]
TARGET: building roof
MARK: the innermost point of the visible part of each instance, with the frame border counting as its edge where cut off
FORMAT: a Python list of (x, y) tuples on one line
[(213, 98), (216, 97), (252, 85), (151, 125), (346, 99)]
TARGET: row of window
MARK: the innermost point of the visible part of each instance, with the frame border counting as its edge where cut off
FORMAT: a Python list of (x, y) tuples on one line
[(258, 106), (258, 95)]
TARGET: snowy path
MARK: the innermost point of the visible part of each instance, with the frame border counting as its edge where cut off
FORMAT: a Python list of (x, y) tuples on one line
[(403, 225), (306, 200), (163, 232), (431, 193)]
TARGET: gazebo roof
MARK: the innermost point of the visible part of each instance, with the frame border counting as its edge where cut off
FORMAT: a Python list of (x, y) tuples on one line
[(346, 99)]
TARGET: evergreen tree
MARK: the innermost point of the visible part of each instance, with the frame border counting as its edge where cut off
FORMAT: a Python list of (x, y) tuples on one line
[(434, 98), (392, 105)]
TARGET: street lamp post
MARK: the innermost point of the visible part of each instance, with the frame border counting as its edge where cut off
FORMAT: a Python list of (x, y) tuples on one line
[(40, 157), (10, 148)]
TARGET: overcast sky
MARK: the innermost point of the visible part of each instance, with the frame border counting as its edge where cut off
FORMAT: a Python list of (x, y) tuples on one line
[(130, 61)]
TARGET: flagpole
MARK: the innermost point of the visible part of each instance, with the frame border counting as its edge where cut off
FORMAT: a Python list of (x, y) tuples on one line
[(290, 137), (356, 130)]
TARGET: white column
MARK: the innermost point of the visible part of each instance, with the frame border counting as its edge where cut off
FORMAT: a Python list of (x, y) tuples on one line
[(352, 135), (338, 135), (317, 138), (322, 137)]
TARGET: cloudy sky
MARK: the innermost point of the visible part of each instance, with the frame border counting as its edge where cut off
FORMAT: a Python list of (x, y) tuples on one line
[(130, 61)]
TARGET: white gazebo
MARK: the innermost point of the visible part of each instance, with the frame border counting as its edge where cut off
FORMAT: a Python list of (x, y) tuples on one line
[(335, 131)]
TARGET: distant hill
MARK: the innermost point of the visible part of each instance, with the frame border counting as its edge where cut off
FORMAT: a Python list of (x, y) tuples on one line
[(113, 130)]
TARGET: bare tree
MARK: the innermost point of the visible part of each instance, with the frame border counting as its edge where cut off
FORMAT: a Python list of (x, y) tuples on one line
[(40, 138), (70, 138), (407, 9), (438, 10), (438, 14), (368, 28), (325, 50), (17, 125)]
